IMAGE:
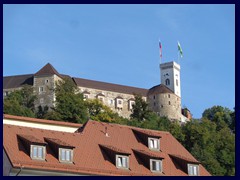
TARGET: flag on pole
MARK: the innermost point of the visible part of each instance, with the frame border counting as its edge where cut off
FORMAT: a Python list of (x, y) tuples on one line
[(180, 49), (160, 46)]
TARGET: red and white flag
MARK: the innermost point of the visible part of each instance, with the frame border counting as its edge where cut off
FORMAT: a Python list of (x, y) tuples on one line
[(160, 46)]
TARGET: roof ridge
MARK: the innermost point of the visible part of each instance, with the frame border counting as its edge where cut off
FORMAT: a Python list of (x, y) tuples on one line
[(48, 69), (109, 83), (18, 75)]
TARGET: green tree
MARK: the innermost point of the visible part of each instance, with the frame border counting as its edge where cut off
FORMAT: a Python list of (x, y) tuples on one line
[(70, 105), (213, 147), (100, 112), (140, 109), (20, 102), (220, 116)]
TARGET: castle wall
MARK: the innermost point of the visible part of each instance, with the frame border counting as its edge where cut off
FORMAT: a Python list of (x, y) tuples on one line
[(166, 104), (111, 99)]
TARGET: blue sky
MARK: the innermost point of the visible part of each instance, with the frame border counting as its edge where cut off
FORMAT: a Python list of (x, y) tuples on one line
[(119, 44)]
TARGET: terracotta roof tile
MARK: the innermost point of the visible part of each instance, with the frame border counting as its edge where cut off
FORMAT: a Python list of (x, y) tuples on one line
[(31, 139), (149, 153), (58, 142), (114, 149), (88, 158)]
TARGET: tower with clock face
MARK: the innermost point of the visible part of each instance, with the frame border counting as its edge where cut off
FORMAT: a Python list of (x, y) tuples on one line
[(170, 76)]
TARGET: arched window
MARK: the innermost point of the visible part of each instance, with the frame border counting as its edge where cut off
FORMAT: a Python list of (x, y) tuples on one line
[(167, 82)]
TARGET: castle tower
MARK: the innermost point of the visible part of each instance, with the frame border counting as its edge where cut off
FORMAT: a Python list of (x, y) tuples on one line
[(44, 83), (170, 76)]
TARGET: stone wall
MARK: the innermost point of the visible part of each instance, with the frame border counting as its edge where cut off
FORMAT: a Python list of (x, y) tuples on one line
[(118, 102), (166, 104), (44, 89)]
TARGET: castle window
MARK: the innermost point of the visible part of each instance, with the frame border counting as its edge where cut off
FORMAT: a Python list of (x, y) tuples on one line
[(169, 102), (111, 102), (130, 104), (167, 82), (168, 95), (154, 97), (85, 96), (161, 106), (193, 170), (41, 89), (155, 165), (122, 161), (38, 152), (153, 143), (154, 104), (176, 82), (46, 81), (65, 155), (41, 100)]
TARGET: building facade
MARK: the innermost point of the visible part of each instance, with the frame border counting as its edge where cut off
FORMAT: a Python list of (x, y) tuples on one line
[(164, 99)]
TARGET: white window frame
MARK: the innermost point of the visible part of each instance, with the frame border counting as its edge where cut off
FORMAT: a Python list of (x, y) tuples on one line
[(131, 103), (193, 170), (38, 148), (41, 91), (85, 96), (156, 161), (154, 144), (119, 162), (65, 151)]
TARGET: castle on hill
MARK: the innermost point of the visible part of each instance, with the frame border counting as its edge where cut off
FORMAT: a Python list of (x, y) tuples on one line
[(164, 99)]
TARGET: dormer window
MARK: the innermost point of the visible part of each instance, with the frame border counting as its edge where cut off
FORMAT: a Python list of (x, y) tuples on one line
[(38, 152), (131, 102), (156, 165), (119, 102), (65, 155), (193, 170), (153, 143), (122, 161)]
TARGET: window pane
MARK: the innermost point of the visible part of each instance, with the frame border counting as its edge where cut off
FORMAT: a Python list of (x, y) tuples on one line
[(35, 151), (155, 144), (151, 143), (194, 170), (154, 165), (190, 170), (119, 161), (68, 154), (124, 162), (63, 155), (40, 152), (157, 166)]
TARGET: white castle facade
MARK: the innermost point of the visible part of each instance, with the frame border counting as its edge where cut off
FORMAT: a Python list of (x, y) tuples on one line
[(164, 99)]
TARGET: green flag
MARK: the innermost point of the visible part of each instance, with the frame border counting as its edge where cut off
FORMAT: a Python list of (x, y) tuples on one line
[(180, 50)]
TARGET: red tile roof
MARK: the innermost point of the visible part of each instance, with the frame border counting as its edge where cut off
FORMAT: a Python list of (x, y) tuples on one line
[(88, 157)]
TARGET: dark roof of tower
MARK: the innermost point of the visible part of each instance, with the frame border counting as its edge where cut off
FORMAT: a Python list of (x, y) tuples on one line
[(48, 69), (17, 81), (158, 89), (109, 86)]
